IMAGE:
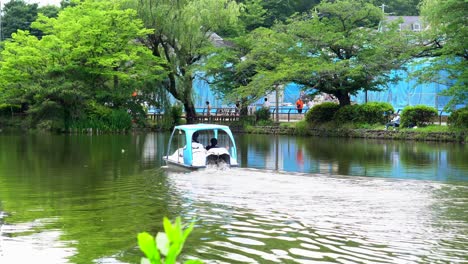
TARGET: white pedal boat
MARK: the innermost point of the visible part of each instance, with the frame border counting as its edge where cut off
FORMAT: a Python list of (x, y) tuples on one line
[(223, 155)]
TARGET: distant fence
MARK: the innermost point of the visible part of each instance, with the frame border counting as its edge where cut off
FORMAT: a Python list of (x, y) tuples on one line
[(230, 114)]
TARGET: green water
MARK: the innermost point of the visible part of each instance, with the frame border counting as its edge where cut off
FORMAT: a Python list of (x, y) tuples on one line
[(83, 199)]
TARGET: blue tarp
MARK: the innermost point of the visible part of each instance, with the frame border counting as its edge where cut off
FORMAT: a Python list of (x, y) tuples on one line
[(403, 93)]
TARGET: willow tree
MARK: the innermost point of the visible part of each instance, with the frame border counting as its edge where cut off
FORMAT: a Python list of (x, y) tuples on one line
[(182, 30)]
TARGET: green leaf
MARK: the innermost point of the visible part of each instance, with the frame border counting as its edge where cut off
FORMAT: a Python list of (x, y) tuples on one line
[(178, 229), (193, 261), (188, 231), (168, 228), (147, 244), (174, 251)]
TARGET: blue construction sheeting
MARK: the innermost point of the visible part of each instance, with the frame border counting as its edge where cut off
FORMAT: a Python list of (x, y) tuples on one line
[(403, 93), (407, 92)]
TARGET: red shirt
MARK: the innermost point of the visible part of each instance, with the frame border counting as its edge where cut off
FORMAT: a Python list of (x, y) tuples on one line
[(299, 104)]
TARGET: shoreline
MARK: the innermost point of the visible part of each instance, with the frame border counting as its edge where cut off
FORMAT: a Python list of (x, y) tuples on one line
[(410, 135), (460, 136)]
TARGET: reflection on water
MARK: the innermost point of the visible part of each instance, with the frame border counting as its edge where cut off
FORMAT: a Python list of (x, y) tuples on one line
[(358, 157), (83, 199)]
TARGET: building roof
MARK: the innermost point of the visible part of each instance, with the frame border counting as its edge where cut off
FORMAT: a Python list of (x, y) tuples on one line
[(413, 23)]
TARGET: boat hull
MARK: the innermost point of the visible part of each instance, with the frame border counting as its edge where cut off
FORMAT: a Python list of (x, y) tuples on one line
[(182, 167)]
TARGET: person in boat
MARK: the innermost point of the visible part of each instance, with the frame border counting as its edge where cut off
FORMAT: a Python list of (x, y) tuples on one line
[(213, 142), (195, 143)]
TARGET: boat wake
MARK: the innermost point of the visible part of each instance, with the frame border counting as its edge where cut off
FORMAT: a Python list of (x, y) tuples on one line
[(218, 165)]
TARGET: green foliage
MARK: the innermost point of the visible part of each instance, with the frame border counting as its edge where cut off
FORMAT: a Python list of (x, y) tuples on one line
[(182, 33), (49, 10), (322, 113), (341, 52), (444, 46), (430, 129), (265, 13), (17, 14), (88, 54), (265, 123), (47, 115), (368, 113), (302, 127), (349, 53), (166, 247), (172, 117), (9, 109), (347, 114), (418, 115), (262, 114), (176, 114), (459, 118), (375, 112), (105, 119)]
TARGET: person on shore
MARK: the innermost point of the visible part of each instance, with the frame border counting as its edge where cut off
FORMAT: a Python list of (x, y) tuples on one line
[(213, 142), (299, 105), (395, 122), (266, 104), (237, 110), (208, 108)]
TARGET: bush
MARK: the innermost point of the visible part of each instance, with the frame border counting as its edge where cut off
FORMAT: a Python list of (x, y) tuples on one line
[(176, 114), (104, 118), (459, 118), (322, 113), (119, 119), (9, 109), (172, 117), (262, 114), (374, 112), (418, 115), (346, 114)]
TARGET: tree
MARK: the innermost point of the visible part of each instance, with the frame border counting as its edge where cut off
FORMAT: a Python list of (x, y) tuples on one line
[(340, 51), (445, 46), (182, 30), (248, 69), (49, 10), (88, 56), (18, 15), (265, 13)]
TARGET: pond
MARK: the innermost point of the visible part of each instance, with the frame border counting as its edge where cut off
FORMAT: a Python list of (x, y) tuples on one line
[(83, 199)]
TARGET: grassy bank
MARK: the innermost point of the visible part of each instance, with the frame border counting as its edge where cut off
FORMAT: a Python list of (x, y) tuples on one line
[(429, 133)]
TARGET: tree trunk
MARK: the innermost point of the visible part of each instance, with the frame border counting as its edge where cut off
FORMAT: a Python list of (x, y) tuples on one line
[(190, 113), (343, 98), (244, 110)]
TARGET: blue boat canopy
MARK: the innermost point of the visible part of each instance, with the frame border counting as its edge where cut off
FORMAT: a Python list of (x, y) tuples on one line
[(189, 130)]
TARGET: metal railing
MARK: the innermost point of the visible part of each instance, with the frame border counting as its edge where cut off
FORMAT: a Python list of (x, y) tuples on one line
[(229, 114), (289, 112)]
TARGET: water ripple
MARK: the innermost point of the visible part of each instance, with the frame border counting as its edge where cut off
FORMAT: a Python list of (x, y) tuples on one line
[(259, 217)]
